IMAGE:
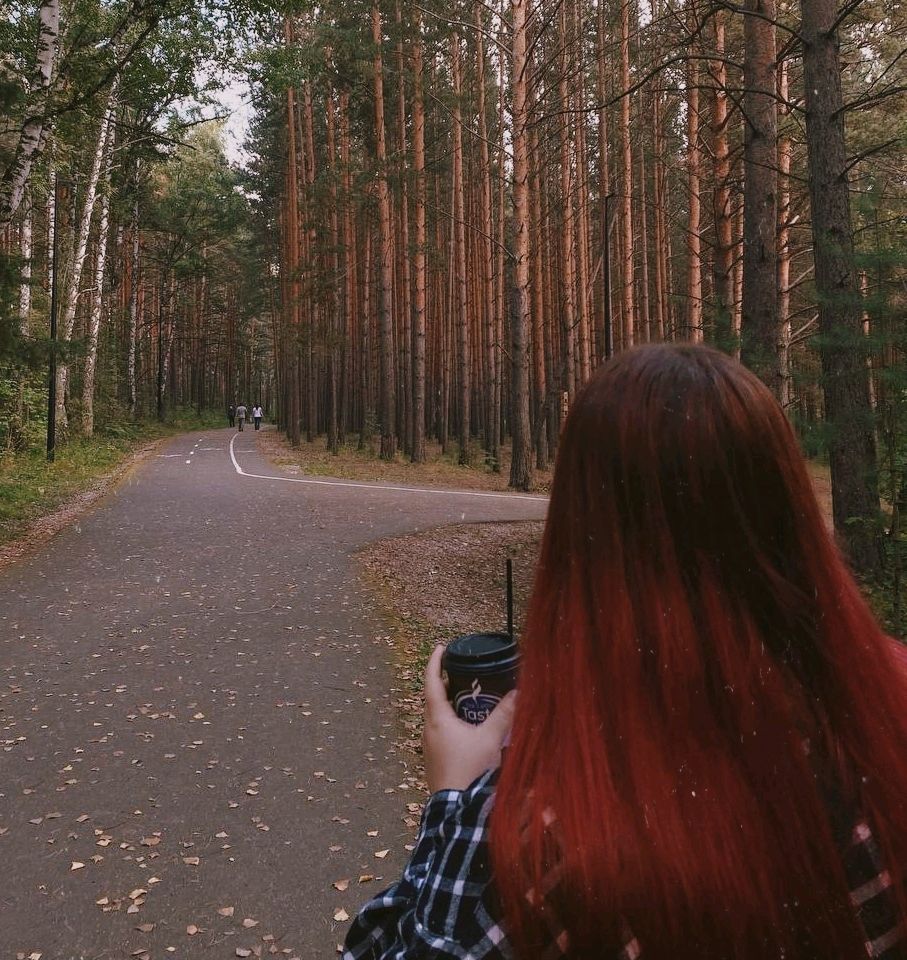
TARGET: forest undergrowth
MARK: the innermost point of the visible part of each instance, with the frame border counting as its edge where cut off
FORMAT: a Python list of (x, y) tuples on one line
[(353, 462)]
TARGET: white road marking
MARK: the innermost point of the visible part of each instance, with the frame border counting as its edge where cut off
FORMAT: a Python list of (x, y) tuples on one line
[(188, 461), (379, 486), (167, 456)]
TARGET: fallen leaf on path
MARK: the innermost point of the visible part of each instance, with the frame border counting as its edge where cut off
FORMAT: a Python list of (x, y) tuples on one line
[(381, 854), (365, 877), (243, 952), (150, 841), (191, 861), (341, 915), (226, 911), (192, 929), (340, 885), (248, 923), (372, 833), (138, 892), (77, 865), (145, 927)]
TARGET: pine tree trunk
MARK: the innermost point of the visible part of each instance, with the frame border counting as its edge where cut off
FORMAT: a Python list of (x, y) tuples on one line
[(722, 212), (521, 461), (759, 331), (694, 225), (405, 273), (843, 348), (419, 316), (492, 426), (785, 152), (388, 404), (291, 265), (628, 272), (461, 293), (568, 229), (133, 323)]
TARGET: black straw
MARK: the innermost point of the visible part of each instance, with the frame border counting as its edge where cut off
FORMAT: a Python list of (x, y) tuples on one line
[(510, 597)]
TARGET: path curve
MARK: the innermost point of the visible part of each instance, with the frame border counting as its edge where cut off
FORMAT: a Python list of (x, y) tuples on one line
[(197, 705)]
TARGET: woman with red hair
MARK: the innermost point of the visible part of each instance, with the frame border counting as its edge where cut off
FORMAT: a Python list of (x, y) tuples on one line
[(708, 754)]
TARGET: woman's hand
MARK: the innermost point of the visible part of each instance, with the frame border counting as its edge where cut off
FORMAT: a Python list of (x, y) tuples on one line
[(456, 752)]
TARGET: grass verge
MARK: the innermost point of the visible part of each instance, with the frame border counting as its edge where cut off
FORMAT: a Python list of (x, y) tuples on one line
[(32, 488)]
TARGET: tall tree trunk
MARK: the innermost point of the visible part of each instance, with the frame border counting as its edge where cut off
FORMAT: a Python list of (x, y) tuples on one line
[(568, 228), (334, 297), (843, 348), (521, 461), (628, 270), (492, 425), (461, 293), (133, 303), (33, 134), (785, 151), (419, 316), (722, 211), (25, 275), (694, 224), (74, 278), (759, 332), (385, 309), (405, 261), (291, 264), (604, 176), (97, 296)]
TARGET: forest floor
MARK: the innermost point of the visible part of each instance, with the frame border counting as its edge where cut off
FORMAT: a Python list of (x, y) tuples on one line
[(351, 463), (39, 498)]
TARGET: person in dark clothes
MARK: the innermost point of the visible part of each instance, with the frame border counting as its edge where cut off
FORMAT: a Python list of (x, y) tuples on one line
[(231, 415)]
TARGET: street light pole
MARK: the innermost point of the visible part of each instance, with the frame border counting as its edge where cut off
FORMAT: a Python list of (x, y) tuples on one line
[(54, 306), (609, 329)]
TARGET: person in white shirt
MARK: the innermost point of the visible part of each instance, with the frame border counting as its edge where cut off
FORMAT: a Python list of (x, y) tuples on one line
[(257, 414)]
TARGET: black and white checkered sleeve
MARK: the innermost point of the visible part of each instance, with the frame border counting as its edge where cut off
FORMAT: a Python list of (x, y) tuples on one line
[(443, 906)]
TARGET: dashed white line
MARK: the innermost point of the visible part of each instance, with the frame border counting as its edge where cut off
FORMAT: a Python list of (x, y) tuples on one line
[(437, 492)]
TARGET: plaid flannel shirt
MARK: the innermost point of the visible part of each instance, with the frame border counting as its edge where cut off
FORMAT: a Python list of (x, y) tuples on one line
[(445, 907)]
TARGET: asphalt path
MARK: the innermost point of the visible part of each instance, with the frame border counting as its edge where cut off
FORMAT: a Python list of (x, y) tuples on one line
[(197, 712)]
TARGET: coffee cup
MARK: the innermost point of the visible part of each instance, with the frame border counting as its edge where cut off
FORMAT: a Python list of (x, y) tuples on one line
[(481, 668)]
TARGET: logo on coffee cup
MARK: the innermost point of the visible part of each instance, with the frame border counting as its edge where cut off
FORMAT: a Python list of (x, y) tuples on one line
[(473, 706)]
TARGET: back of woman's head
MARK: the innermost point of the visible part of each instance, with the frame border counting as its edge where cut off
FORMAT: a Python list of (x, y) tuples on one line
[(702, 682)]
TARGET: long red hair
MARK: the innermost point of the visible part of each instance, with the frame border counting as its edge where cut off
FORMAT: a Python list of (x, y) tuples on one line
[(692, 628)]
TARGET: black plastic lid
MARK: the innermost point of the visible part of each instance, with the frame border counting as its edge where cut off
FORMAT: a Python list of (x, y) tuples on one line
[(480, 650)]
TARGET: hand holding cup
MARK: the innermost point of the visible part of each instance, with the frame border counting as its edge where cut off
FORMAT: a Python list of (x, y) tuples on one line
[(457, 752)]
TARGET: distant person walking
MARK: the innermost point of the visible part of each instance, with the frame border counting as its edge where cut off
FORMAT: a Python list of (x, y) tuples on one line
[(241, 415), (257, 414), (231, 415)]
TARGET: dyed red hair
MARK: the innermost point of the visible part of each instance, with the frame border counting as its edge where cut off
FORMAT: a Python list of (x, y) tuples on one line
[(692, 624)]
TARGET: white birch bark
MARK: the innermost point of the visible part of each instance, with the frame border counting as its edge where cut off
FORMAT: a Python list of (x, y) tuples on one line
[(70, 298), (97, 296), (25, 250), (33, 134)]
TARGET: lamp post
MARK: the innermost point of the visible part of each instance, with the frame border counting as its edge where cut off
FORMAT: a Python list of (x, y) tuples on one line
[(609, 329)]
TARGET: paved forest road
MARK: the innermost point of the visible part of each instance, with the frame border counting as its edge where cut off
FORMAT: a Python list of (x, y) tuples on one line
[(196, 705)]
